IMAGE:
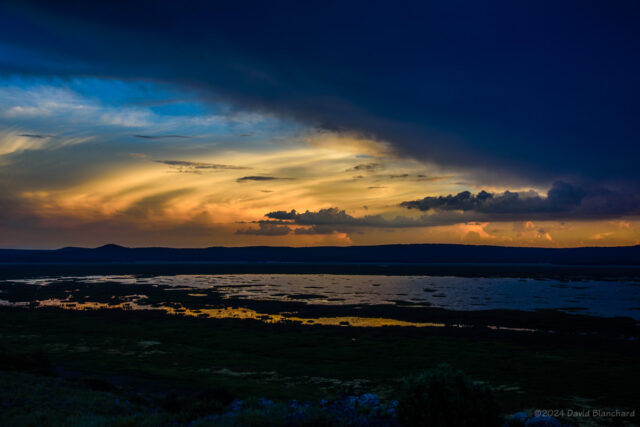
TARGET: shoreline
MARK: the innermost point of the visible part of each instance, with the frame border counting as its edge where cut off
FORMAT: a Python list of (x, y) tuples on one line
[(42, 269)]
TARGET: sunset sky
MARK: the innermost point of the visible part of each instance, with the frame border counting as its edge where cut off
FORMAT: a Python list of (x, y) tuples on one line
[(190, 124)]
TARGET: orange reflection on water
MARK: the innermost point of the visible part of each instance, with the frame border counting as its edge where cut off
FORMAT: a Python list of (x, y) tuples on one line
[(247, 313), (242, 313)]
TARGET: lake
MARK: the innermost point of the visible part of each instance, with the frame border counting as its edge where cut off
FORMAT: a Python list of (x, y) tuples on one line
[(593, 297)]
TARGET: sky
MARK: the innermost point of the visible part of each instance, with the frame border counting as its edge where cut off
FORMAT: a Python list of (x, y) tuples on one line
[(197, 124)]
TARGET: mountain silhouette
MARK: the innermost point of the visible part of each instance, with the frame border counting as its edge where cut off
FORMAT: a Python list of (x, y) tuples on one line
[(405, 254)]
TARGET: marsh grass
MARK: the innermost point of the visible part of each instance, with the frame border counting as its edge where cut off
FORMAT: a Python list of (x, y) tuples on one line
[(66, 365)]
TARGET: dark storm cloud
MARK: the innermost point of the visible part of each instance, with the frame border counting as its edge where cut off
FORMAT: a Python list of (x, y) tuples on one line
[(198, 166), (261, 178), (283, 215), (563, 201), (466, 85)]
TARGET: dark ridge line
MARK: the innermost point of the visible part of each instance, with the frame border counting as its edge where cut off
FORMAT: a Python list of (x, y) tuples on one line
[(395, 254)]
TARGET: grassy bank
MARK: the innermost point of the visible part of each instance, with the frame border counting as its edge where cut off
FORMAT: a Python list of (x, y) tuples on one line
[(152, 354)]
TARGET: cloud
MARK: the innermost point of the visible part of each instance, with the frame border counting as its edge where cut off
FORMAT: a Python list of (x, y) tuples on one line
[(283, 215), (266, 229), (395, 177), (339, 217), (366, 167), (527, 230), (162, 136), (553, 111), (563, 200), (35, 135), (260, 178), (359, 143), (317, 230), (12, 143), (195, 167), (412, 177), (331, 220), (36, 104), (154, 205), (428, 178)]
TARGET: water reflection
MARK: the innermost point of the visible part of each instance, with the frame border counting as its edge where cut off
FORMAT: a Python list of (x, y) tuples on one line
[(238, 313), (594, 297)]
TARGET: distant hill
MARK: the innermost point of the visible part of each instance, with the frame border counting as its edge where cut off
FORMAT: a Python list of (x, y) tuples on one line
[(421, 254)]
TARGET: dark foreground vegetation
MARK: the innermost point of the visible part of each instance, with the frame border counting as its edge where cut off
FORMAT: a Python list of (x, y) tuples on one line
[(113, 367)]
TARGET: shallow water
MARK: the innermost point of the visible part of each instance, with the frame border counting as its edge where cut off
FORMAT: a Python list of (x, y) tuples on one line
[(599, 298)]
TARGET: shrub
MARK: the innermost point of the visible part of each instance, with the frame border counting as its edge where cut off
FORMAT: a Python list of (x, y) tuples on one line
[(445, 397)]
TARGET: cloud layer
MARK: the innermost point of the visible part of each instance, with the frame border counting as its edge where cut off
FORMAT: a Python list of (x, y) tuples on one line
[(465, 86), (150, 117), (563, 201)]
